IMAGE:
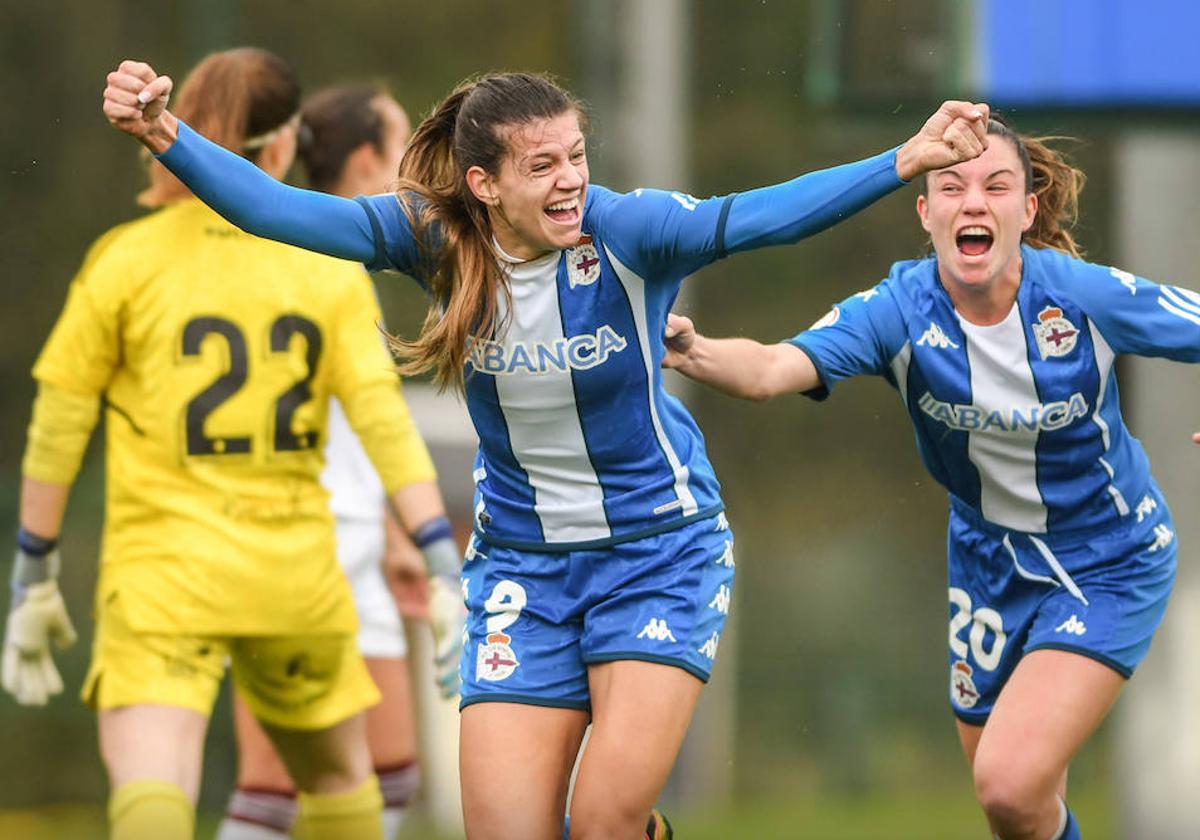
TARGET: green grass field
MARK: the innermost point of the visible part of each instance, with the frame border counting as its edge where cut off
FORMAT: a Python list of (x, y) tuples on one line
[(924, 817)]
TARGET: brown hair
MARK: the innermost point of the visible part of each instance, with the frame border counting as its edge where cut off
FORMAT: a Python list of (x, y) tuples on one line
[(230, 97), (335, 122), (1053, 179), (464, 274)]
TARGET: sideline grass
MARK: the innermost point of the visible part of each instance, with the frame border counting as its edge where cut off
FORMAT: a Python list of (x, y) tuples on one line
[(924, 817)]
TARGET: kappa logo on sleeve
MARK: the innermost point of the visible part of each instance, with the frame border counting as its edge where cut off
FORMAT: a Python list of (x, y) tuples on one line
[(1127, 279)]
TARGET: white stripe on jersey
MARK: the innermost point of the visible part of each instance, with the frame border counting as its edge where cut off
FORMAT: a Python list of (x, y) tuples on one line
[(542, 417), (1104, 361), (636, 292), (899, 366), (1007, 461), (1182, 302)]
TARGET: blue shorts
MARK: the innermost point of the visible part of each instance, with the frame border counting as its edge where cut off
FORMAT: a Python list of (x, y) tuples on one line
[(538, 619), (1100, 594)]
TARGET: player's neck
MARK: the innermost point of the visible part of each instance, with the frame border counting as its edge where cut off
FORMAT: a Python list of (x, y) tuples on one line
[(988, 301)]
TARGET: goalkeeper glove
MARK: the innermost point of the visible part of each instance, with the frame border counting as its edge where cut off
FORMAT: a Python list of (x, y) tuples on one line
[(36, 618), (447, 613)]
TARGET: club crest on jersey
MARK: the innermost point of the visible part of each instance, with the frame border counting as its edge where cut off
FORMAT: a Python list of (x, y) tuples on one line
[(963, 692), (583, 263), (828, 319), (1056, 336), (496, 660)]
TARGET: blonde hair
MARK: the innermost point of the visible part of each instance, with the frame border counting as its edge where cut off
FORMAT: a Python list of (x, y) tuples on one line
[(234, 98)]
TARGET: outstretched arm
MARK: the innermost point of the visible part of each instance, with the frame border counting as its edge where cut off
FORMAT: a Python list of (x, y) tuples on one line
[(740, 367), (135, 101), (787, 212)]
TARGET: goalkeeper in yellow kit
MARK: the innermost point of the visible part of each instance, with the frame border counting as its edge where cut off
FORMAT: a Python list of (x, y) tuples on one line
[(214, 354)]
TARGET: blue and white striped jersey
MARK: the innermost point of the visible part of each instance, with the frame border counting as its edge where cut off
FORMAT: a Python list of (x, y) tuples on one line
[(1020, 420), (580, 446), (579, 443)]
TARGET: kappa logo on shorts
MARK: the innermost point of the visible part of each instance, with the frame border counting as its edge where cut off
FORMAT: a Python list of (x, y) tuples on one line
[(1163, 537), (963, 692), (496, 660), (709, 648), (1072, 625), (720, 601), (1145, 507), (656, 629), (725, 558)]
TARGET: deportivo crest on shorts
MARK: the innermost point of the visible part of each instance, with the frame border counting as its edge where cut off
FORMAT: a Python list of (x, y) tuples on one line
[(963, 692), (828, 319), (583, 263), (1056, 336), (496, 660)]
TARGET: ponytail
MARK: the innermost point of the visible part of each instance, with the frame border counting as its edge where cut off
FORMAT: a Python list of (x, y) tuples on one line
[(1057, 185), (465, 279), (235, 98), (1055, 182)]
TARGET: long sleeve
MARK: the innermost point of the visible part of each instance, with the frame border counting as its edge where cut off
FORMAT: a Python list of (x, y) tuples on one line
[(673, 234), (258, 204)]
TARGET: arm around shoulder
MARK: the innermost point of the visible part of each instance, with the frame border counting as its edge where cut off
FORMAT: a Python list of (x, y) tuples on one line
[(740, 367)]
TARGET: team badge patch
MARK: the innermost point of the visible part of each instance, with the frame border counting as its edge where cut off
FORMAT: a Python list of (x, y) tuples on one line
[(496, 660), (963, 692), (828, 319), (1056, 336), (583, 263)]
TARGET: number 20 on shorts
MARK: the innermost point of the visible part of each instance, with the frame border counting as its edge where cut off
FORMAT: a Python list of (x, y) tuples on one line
[(981, 620)]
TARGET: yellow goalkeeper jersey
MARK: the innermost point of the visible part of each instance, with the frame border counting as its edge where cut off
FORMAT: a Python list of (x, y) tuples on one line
[(216, 353)]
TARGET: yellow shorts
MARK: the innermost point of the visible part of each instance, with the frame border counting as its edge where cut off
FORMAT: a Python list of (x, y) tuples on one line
[(293, 682)]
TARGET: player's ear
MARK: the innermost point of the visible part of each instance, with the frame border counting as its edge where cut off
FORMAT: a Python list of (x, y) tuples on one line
[(923, 211), (483, 186)]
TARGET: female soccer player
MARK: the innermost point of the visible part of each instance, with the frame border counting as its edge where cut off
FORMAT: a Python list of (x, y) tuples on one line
[(600, 572), (351, 139), (216, 353), (1061, 548)]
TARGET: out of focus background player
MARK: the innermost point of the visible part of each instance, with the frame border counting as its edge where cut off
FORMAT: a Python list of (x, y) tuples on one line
[(215, 355), (351, 139)]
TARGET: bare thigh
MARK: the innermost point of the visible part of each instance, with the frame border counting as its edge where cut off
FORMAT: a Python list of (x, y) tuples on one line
[(515, 761), (1050, 706), (259, 766), (391, 730), (147, 741), (641, 712), (330, 760)]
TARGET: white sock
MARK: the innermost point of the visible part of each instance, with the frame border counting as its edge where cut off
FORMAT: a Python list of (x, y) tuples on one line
[(397, 784), (231, 829), (393, 818), (257, 815)]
